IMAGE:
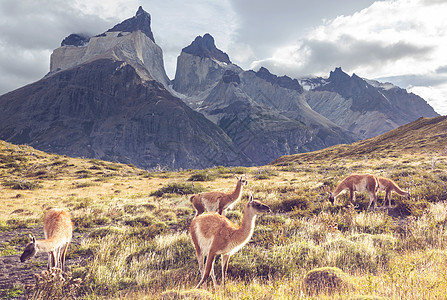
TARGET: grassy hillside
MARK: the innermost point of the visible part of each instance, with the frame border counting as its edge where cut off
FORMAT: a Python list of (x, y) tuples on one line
[(131, 238), (425, 135)]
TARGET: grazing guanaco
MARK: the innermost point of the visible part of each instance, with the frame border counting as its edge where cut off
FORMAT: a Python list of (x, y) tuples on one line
[(213, 234), (217, 201), (388, 186), (357, 183), (58, 230)]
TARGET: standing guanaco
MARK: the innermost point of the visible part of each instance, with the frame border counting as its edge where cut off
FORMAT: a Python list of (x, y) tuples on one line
[(217, 201), (58, 230), (357, 183), (388, 186), (213, 234)]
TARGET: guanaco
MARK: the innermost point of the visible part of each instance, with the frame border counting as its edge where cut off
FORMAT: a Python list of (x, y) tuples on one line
[(213, 234), (388, 186), (58, 230), (218, 201), (357, 183)]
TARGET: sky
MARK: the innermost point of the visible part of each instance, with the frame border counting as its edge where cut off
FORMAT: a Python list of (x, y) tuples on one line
[(399, 41)]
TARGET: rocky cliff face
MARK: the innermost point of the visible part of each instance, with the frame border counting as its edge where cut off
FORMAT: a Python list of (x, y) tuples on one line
[(260, 133), (263, 114), (103, 109), (131, 41), (200, 66), (366, 108)]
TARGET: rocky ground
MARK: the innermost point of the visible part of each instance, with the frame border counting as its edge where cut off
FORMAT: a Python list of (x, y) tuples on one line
[(14, 273)]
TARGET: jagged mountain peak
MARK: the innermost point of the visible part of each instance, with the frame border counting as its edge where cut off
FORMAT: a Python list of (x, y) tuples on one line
[(282, 81), (76, 39), (338, 75), (205, 47), (141, 21)]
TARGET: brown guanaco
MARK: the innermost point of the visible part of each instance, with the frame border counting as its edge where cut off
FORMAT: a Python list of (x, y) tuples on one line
[(388, 186), (213, 234), (58, 230), (357, 183), (218, 201)]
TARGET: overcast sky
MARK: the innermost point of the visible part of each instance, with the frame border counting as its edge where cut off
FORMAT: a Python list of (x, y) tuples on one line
[(400, 41)]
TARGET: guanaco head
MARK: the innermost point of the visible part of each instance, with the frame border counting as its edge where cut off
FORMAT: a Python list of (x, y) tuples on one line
[(30, 250), (257, 206), (331, 197), (242, 180)]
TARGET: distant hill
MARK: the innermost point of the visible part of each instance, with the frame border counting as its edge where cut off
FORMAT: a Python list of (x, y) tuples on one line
[(425, 135)]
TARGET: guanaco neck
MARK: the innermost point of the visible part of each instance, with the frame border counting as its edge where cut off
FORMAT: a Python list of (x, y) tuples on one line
[(245, 230), (237, 191), (47, 245)]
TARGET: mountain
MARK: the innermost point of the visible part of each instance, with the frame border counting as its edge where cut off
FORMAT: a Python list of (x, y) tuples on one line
[(108, 97), (200, 66), (425, 135), (131, 41), (265, 115), (366, 108), (112, 103)]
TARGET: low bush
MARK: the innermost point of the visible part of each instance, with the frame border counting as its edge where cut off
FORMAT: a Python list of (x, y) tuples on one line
[(325, 280), (22, 184), (178, 188), (202, 176)]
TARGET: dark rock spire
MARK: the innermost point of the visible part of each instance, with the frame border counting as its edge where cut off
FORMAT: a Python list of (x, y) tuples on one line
[(205, 47), (141, 21)]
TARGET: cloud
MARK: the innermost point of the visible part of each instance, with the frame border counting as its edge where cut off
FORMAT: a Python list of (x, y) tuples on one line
[(30, 30), (314, 56), (441, 70), (382, 39)]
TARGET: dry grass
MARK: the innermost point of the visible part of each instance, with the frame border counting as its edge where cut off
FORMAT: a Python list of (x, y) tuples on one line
[(139, 246)]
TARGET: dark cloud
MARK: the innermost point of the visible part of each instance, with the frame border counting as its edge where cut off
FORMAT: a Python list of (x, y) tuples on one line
[(441, 70), (266, 25), (30, 30)]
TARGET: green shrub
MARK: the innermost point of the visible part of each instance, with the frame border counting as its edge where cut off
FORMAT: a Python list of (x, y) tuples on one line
[(202, 176), (325, 280), (150, 231), (349, 255), (22, 185), (89, 220), (177, 188)]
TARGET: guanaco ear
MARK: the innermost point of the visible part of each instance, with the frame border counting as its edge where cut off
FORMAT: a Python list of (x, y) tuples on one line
[(250, 197)]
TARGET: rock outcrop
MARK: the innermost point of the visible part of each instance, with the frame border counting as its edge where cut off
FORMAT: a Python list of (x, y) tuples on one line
[(131, 41), (200, 67), (364, 107)]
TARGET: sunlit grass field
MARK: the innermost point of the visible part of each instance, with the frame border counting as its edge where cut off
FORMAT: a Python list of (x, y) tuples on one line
[(135, 224)]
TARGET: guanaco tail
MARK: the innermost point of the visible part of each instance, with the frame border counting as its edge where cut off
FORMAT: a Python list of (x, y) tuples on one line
[(357, 183), (218, 201), (213, 234), (58, 230), (388, 186)]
